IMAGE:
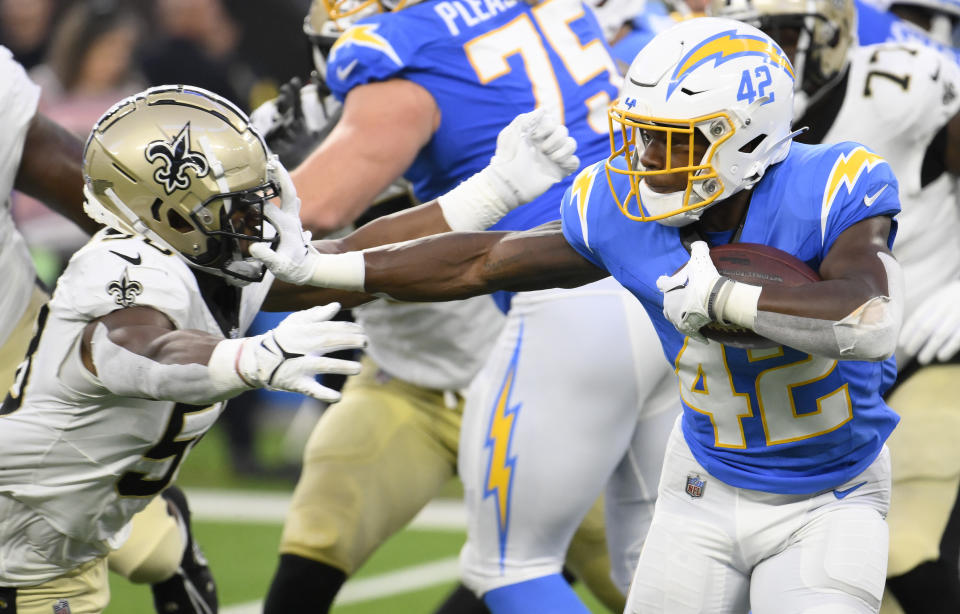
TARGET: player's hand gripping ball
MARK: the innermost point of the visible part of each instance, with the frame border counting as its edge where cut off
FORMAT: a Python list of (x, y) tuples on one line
[(758, 265), (688, 302)]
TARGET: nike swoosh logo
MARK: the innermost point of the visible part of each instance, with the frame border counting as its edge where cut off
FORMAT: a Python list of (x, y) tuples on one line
[(344, 71), (869, 200), (840, 494), (134, 261)]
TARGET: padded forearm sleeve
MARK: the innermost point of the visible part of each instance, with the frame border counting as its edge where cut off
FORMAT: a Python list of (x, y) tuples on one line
[(127, 374), (868, 333)]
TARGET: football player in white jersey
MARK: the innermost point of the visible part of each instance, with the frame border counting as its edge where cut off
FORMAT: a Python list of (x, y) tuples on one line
[(140, 342), (43, 160), (901, 100)]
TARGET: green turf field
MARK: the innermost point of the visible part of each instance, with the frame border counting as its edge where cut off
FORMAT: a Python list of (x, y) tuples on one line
[(411, 573)]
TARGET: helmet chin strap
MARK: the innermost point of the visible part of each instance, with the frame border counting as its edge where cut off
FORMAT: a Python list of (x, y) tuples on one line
[(657, 203)]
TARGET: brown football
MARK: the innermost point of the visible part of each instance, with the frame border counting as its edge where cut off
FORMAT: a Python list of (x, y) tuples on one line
[(760, 265)]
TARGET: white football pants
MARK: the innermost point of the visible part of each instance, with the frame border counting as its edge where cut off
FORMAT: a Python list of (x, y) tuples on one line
[(575, 392), (731, 550)]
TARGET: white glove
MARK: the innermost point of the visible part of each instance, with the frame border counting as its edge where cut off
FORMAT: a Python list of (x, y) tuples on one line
[(933, 329), (293, 259), (686, 293), (534, 151), (289, 356)]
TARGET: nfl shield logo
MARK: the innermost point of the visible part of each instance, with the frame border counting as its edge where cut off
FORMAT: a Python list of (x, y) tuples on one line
[(61, 607), (695, 485)]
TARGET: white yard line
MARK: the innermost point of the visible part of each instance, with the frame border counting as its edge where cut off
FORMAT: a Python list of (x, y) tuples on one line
[(405, 580), (271, 507), (237, 506)]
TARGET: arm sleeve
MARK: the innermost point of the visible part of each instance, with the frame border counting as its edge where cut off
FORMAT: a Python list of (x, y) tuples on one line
[(127, 374)]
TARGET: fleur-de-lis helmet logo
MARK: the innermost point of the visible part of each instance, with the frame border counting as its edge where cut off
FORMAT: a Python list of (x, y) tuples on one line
[(124, 290), (176, 157)]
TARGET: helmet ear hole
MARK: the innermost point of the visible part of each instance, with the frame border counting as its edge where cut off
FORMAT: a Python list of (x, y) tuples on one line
[(178, 223), (751, 146), (155, 209)]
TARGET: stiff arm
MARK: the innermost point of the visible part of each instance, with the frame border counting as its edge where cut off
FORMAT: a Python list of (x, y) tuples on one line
[(459, 265)]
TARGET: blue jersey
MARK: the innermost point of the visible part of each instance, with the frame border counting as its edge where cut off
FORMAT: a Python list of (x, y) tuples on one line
[(876, 26), (484, 62), (654, 19), (776, 420)]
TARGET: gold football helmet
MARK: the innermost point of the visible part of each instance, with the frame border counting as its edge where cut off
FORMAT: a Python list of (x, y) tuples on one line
[(822, 32), (327, 19), (181, 167)]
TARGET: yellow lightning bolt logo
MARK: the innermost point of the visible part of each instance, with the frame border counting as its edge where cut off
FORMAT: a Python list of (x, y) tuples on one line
[(580, 191), (726, 46), (846, 171), (580, 196), (500, 470), (364, 35)]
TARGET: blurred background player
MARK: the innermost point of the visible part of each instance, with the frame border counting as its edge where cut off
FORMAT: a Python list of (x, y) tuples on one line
[(640, 22), (43, 160), (776, 479), (900, 100), (440, 125), (140, 343), (928, 22)]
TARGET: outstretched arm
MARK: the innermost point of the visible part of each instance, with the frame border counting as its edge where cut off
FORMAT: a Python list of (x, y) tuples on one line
[(533, 152), (454, 265), (460, 265)]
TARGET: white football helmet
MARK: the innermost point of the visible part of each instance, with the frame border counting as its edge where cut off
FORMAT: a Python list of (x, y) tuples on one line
[(825, 32), (719, 78), (181, 167)]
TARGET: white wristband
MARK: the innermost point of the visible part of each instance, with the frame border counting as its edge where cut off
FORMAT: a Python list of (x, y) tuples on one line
[(736, 303), (476, 204), (339, 271), (224, 366)]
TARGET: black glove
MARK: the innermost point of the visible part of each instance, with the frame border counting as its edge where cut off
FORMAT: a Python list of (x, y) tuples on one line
[(292, 133)]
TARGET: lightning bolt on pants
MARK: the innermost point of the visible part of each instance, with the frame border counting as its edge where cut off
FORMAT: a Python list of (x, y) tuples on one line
[(549, 419)]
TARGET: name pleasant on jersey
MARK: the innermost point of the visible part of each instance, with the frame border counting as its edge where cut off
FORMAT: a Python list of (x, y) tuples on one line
[(458, 13)]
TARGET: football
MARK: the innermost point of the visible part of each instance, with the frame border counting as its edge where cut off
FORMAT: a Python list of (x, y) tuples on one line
[(760, 265)]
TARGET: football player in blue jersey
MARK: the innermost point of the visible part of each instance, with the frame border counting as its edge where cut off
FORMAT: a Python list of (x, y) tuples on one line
[(424, 92), (928, 22), (776, 479), (855, 91)]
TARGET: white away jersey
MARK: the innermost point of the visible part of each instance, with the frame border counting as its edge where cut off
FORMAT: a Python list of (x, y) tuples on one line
[(434, 345), (898, 98), (18, 104), (76, 456)]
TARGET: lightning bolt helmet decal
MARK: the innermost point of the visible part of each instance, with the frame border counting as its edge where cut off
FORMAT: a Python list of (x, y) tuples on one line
[(726, 46)]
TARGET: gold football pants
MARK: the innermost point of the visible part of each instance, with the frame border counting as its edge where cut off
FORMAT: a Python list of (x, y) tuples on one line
[(375, 459), (925, 466)]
